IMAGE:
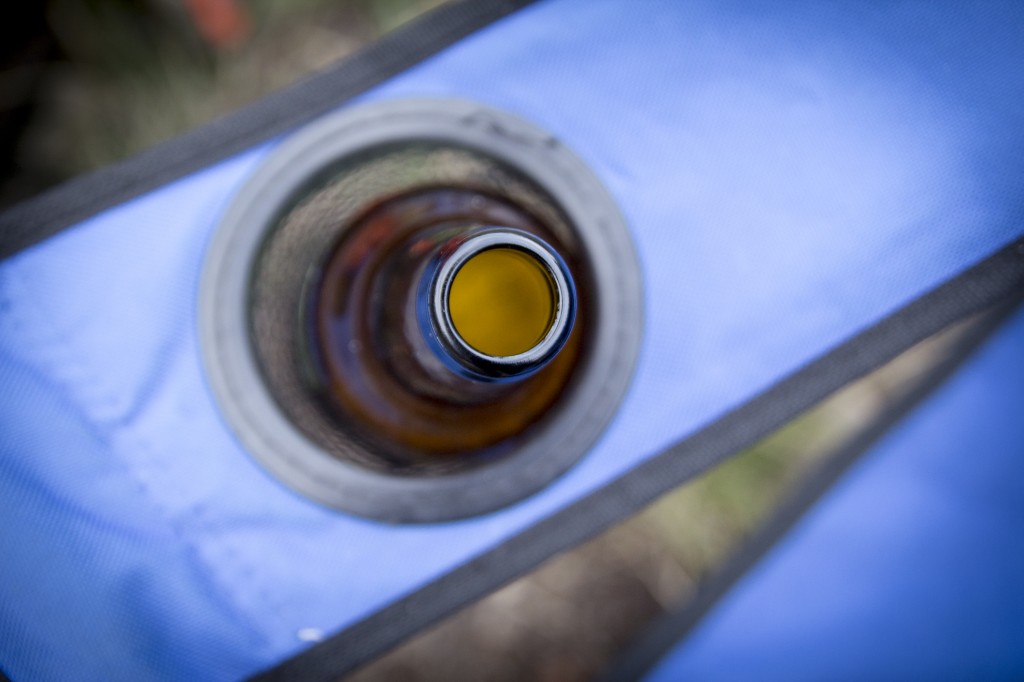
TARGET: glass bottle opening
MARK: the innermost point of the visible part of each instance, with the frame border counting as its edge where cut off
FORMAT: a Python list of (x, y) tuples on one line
[(502, 304), (502, 301)]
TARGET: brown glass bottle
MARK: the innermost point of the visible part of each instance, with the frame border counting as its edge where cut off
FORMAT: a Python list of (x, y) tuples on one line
[(442, 325)]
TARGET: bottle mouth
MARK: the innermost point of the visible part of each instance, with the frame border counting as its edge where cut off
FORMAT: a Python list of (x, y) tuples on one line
[(501, 304)]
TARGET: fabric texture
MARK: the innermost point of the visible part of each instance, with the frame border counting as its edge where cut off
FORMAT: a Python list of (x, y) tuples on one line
[(791, 176), (909, 569)]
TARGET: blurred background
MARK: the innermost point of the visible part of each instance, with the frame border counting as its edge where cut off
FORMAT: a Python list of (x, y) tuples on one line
[(87, 82)]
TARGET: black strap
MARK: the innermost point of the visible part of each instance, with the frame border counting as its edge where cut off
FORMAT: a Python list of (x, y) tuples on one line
[(36, 219), (670, 630), (995, 281)]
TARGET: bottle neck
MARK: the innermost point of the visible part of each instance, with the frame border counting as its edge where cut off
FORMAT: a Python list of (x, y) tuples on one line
[(495, 304), (444, 320)]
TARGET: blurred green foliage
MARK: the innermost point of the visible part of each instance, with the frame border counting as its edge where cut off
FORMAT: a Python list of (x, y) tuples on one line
[(703, 521)]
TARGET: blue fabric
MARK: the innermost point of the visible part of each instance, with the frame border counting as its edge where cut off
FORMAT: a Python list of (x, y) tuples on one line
[(791, 175), (910, 569)]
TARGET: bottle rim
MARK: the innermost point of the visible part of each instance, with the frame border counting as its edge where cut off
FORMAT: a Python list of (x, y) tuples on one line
[(435, 306)]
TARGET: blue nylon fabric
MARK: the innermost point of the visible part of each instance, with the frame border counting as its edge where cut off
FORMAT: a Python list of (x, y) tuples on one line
[(909, 569), (791, 176)]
